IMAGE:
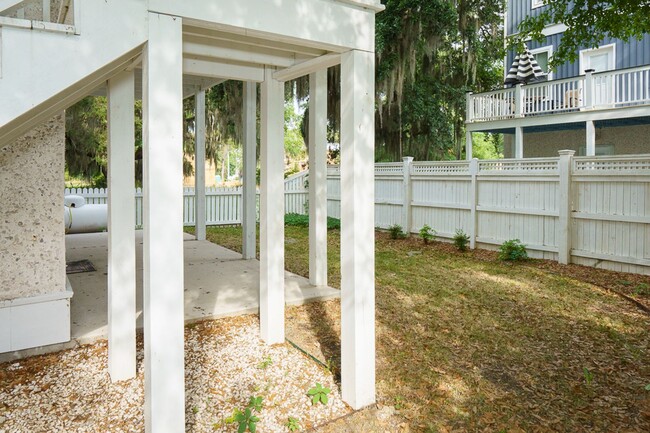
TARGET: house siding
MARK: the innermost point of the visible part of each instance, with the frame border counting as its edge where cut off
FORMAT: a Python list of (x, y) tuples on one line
[(628, 54), (32, 245)]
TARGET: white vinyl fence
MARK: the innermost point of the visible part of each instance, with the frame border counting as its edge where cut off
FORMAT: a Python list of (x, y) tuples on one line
[(587, 210)]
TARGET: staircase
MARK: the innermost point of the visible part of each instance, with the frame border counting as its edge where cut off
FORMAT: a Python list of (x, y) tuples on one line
[(47, 66)]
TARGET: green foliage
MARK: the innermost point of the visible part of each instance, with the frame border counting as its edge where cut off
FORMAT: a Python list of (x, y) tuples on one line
[(318, 394), (588, 375), (427, 233), (266, 363), (647, 387), (642, 289), (487, 146), (293, 424), (246, 421), (461, 240), (299, 220), (513, 250), (396, 232), (255, 403), (588, 23)]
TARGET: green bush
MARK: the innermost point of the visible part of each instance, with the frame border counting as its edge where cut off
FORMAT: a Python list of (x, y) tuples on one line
[(513, 250), (427, 233), (396, 232), (461, 240), (299, 220)]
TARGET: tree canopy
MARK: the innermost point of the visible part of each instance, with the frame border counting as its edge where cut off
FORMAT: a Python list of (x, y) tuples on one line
[(588, 23)]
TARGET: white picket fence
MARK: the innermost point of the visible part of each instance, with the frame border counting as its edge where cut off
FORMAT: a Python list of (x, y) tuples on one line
[(586, 210)]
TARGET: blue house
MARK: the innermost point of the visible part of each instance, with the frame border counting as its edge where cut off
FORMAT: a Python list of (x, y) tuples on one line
[(598, 105)]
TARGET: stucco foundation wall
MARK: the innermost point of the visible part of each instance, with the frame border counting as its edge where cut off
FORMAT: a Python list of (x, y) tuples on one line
[(32, 238), (626, 140)]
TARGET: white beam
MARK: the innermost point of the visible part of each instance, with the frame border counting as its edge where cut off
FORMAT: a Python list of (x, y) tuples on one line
[(590, 149), (232, 51), (357, 229), (199, 165), (318, 178), (225, 70), (307, 67), (468, 145), (121, 227), (272, 210), (249, 207), (163, 227)]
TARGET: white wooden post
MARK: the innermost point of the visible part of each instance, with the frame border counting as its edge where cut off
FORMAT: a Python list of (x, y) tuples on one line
[(357, 228), (163, 226), (121, 226), (199, 165), (469, 107), (565, 205), (468, 145), (473, 202), (407, 193), (249, 206), (318, 178), (272, 210), (47, 11), (519, 100), (519, 142), (589, 89), (590, 148)]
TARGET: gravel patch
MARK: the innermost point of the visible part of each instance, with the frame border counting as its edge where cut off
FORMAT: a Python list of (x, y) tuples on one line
[(226, 364)]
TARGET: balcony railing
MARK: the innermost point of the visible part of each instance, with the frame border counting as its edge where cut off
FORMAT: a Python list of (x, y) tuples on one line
[(48, 15), (592, 91)]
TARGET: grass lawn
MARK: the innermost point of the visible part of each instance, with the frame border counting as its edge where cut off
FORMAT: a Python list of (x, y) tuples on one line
[(468, 343)]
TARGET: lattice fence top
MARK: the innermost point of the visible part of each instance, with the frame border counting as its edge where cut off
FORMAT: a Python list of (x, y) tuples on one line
[(534, 166), (389, 168), (455, 167), (637, 165)]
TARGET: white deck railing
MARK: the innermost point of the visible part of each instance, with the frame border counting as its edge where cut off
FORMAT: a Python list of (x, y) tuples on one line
[(46, 15), (594, 91)]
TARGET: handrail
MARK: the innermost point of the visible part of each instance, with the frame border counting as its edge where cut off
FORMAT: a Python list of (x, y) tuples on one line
[(592, 91)]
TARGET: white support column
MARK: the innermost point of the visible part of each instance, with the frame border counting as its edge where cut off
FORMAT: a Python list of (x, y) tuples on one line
[(318, 178), (163, 226), (199, 165), (565, 205), (473, 202), (357, 228), (590, 149), (468, 146), (249, 194), (272, 210), (407, 193), (519, 142), (121, 227)]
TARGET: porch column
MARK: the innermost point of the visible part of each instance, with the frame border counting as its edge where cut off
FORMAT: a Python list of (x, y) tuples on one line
[(121, 227), (468, 145), (590, 149), (163, 226), (199, 165), (357, 228), (519, 142), (318, 178), (272, 210), (249, 206)]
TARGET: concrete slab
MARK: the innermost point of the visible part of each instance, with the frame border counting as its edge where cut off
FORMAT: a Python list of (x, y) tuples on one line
[(218, 283)]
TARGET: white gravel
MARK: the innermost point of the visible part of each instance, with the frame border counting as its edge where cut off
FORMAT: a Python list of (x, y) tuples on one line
[(71, 391)]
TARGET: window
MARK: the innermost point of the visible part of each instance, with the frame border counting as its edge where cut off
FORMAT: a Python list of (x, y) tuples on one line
[(600, 59), (537, 3), (543, 57)]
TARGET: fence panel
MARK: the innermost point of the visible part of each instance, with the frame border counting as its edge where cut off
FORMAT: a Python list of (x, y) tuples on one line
[(611, 211), (604, 206)]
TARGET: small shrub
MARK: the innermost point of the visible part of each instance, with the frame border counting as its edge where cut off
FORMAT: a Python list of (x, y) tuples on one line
[(647, 387), (642, 289), (588, 375), (461, 240), (396, 232), (318, 393), (427, 233), (293, 424), (267, 362), (246, 421), (513, 250)]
